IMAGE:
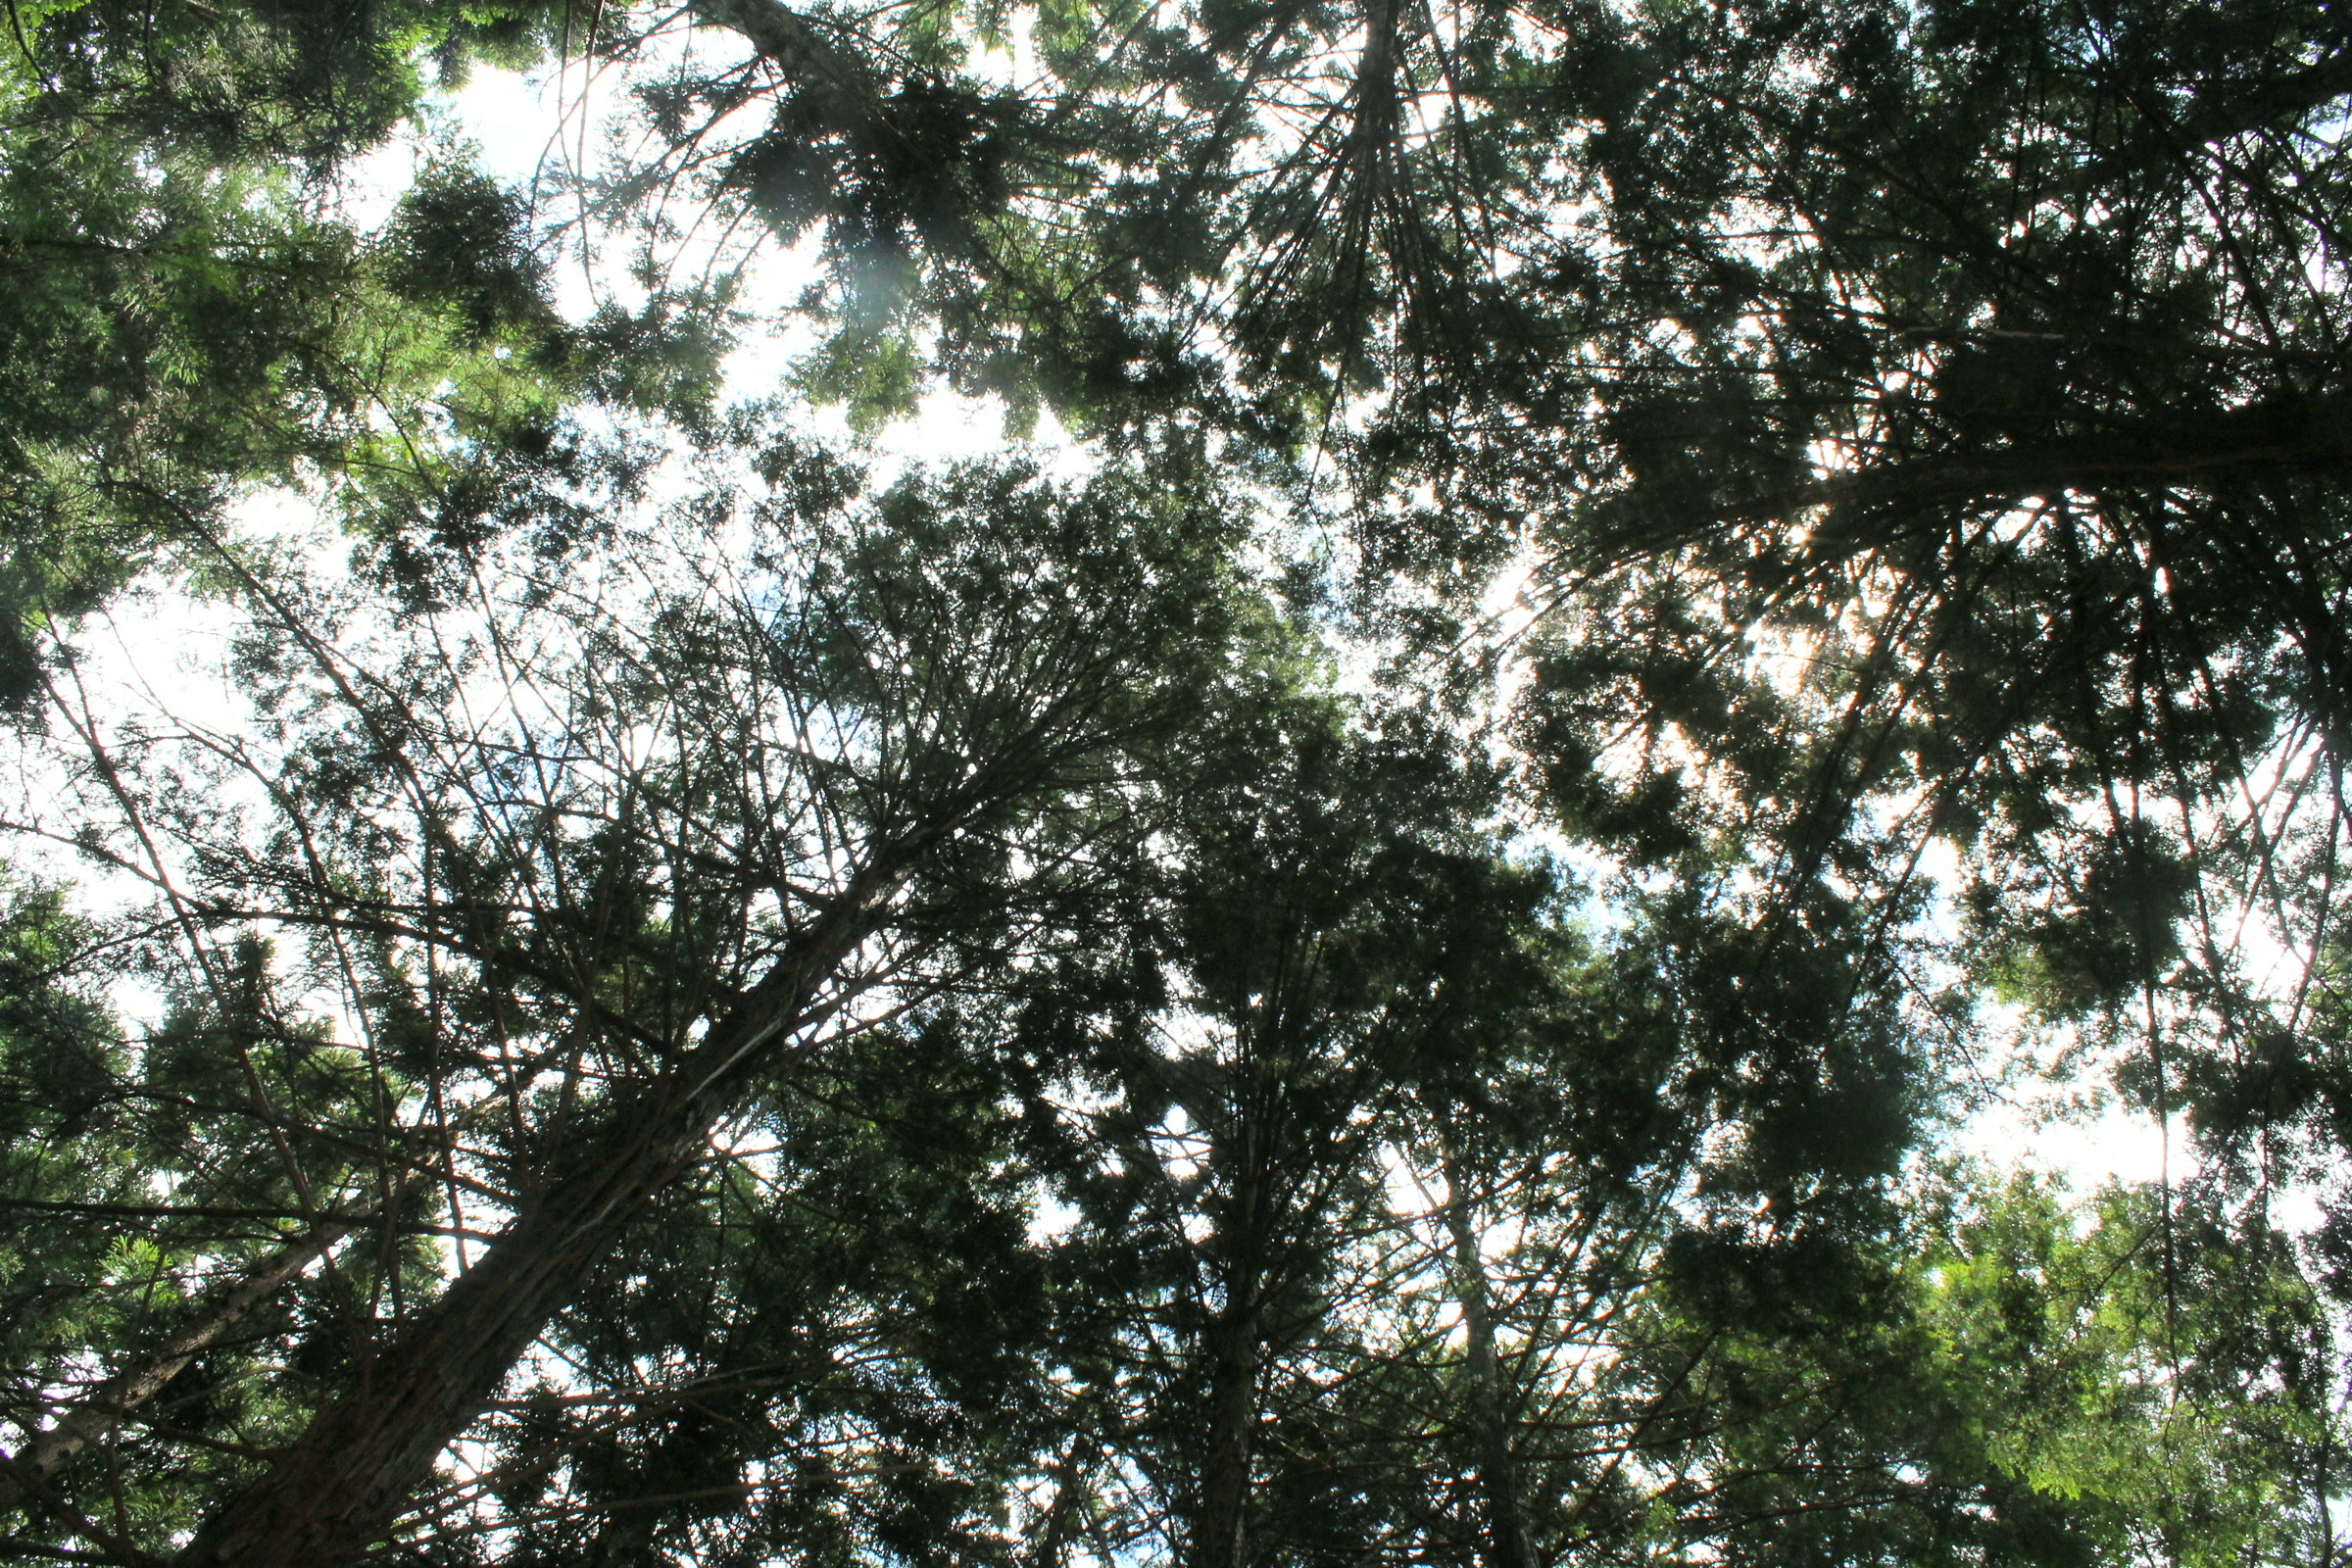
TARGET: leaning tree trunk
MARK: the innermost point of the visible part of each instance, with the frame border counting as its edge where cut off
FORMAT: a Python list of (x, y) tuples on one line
[(1504, 1540), (344, 1482), (848, 97), (110, 1403), (1070, 1479)]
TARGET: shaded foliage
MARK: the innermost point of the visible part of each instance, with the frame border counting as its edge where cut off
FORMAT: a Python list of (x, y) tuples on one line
[(710, 1005)]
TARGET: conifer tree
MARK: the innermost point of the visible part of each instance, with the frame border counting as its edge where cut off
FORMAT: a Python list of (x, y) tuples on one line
[(710, 1004)]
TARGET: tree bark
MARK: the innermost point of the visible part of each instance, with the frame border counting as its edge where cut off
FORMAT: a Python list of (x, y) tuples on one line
[(783, 37), (625, 1540), (2289, 436), (1234, 1350), (104, 1408), (1062, 1515), (1504, 1541), (345, 1480)]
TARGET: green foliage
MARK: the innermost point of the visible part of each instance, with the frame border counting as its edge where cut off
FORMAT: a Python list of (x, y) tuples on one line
[(713, 1006), (2164, 1373)]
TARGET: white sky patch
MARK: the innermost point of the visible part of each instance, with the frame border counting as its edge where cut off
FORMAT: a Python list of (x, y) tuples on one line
[(1181, 1151), (517, 119), (1050, 1219), (2113, 1143)]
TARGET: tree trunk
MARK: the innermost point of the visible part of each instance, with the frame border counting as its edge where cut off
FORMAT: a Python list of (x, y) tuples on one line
[(1504, 1541), (348, 1477), (1233, 1348), (827, 78), (103, 1408), (1060, 1523), (625, 1539), (1235, 1336)]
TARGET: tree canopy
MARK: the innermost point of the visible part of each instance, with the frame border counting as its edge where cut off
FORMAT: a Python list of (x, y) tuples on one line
[(1384, 935)]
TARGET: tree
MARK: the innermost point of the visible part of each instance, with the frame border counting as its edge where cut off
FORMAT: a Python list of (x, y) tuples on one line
[(2187, 1399), (1239, 1085), (618, 944), (716, 1010), (194, 314), (1823, 376)]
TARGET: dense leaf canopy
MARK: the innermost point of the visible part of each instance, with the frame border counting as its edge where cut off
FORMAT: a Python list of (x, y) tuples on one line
[(1396, 943)]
